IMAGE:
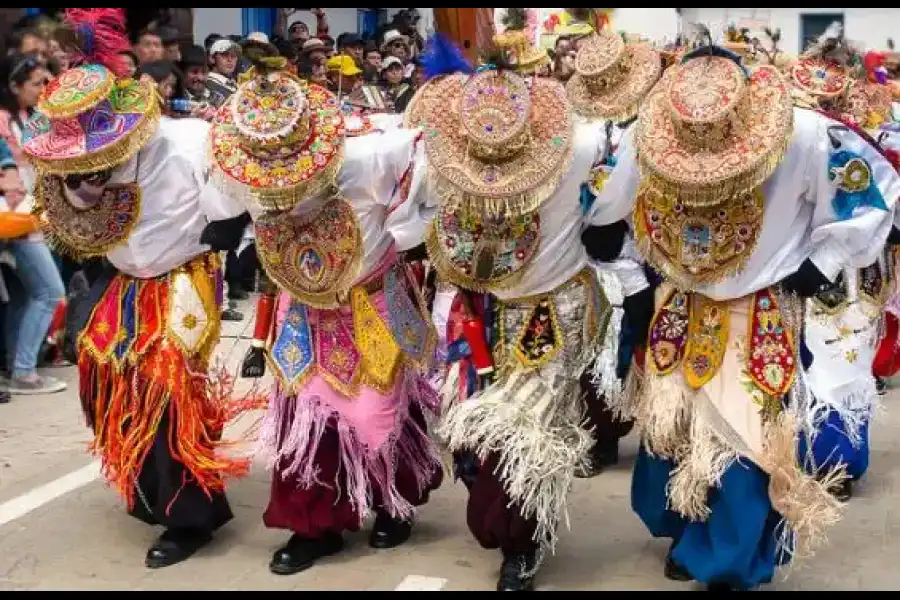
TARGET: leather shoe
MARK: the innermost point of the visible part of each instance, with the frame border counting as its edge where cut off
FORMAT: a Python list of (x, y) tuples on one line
[(301, 554), (388, 532), (175, 546)]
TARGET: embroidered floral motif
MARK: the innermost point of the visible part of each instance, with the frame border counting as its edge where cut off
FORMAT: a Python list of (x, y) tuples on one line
[(771, 361), (293, 354), (92, 231), (540, 340), (338, 357), (855, 186), (698, 245), (482, 253), (668, 334), (769, 406), (316, 259), (413, 333), (380, 352), (708, 332)]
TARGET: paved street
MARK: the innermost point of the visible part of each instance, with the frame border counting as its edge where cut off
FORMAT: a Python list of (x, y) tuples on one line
[(62, 529)]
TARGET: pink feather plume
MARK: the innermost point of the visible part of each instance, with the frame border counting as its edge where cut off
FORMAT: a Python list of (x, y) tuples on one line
[(102, 36)]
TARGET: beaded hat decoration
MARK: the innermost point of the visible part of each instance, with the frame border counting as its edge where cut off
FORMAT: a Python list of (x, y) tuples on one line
[(278, 141), (612, 77), (496, 142)]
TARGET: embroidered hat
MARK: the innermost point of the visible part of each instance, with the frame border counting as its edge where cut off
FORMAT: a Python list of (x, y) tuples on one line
[(496, 142), (278, 140), (713, 130), (816, 79), (89, 121), (611, 77)]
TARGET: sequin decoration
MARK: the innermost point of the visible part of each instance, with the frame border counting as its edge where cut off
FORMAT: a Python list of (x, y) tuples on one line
[(338, 357), (669, 334), (833, 298), (292, 355), (281, 144), (708, 133), (100, 337), (541, 340), (480, 252), (76, 90), (493, 149), (412, 332), (873, 284), (94, 230), (771, 362), (315, 258), (698, 245), (708, 331), (855, 186), (380, 352)]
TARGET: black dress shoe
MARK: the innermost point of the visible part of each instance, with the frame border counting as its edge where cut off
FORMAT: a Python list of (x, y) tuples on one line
[(843, 492), (301, 554), (175, 546), (517, 573), (389, 532), (675, 572)]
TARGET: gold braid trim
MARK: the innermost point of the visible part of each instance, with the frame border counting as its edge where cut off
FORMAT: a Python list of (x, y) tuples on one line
[(114, 155)]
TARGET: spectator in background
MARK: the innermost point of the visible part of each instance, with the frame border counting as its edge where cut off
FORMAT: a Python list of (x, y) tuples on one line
[(396, 44), (148, 47), (329, 45), (195, 69), (418, 77), (343, 75), (350, 44), (131, 62), (210, 40), (223, 57), (37, 288), (407, 23), (397, 89), (28, 41), (170, 39), (169, 80), (373, 56)]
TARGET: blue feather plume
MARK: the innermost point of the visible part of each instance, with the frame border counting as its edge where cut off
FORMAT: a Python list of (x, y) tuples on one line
[(86, 31), (443, 57)]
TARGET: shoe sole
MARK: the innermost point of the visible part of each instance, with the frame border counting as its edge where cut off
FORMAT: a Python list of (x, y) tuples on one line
[(285, 571), (15, 392)]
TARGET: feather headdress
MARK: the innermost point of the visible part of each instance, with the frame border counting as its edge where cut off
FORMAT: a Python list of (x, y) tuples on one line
[(96, 36)]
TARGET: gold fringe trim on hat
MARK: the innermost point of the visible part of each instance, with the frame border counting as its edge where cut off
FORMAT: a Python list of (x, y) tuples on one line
[(591, 111), (455, 198), (114, 155), (277, 200), (700, 195)]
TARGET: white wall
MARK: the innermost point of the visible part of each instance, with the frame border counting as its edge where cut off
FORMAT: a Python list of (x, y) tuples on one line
[(871, 27), (344, 20), (224, 21)]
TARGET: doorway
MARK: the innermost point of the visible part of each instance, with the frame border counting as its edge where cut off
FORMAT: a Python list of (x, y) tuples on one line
[(812, 26)]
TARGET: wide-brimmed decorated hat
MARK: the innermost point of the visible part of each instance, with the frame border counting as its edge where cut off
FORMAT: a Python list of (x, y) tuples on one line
[(816, 80), (87, 120), (277, 141), (612, 77), (496, 143), (713, 130)]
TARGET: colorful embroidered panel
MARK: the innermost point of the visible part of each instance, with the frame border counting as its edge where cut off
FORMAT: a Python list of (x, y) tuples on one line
[(669, 334), (541, 339), (413, 333), (380, 352), (100, 336), (338, 357), (872, 284), (698, 245), (315, 259), (708, 331), (191, 321), (833, 298), (482, 253), (771, 356), (91, 231), (856, 187), (293, 355)]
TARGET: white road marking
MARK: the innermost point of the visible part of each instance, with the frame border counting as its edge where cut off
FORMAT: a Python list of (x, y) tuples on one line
[(30, 501), (416, 583)]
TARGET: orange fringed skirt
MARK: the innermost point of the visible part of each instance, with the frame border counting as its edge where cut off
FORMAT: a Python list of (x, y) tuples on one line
[(143, 360)]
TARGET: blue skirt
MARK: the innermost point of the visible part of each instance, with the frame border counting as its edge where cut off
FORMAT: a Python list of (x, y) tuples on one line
[(832, 448), (737, 545)]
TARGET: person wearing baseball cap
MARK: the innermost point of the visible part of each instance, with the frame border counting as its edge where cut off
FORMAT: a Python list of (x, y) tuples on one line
[(393, 74), (350, 44), (343, 74), (223, 57)]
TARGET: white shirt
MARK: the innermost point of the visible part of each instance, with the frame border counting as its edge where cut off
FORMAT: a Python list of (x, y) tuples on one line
[(799, 221), (174, 200)]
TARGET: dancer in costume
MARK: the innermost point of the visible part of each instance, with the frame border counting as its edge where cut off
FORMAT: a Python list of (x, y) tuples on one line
[(119, 181), (843, 318), (737, 218), (346, 428), (611, 78), (507, 164)]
